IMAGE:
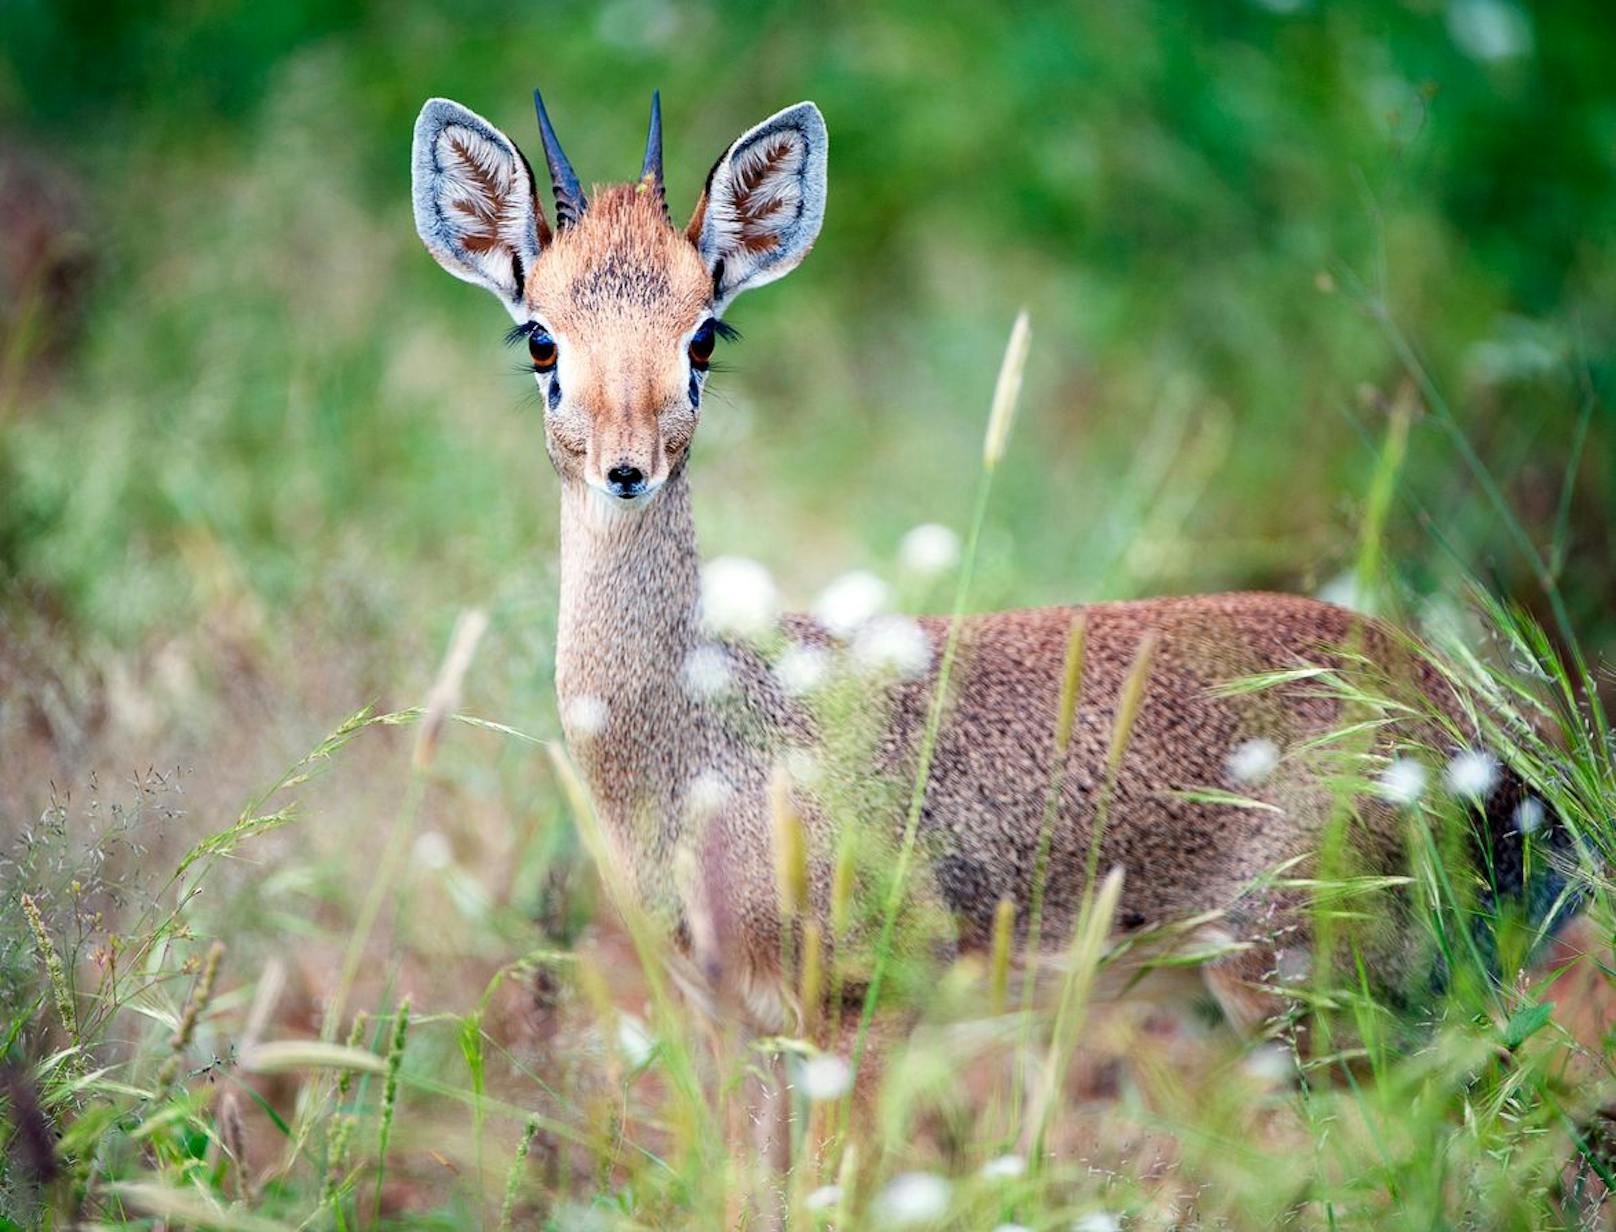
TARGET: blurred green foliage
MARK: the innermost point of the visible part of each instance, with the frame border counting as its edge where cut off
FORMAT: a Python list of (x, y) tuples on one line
[(275, 399)]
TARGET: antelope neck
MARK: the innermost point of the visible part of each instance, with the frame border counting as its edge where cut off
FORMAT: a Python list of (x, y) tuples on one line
[(629, 619)]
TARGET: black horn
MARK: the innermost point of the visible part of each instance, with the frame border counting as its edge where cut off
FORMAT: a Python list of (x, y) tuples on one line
[(651, 169), (570, 201)]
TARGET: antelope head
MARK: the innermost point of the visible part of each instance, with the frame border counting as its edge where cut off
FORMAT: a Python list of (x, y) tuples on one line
[(618, 309)]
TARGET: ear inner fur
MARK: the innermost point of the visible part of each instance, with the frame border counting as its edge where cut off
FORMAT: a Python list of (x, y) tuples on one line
[(474, 201)]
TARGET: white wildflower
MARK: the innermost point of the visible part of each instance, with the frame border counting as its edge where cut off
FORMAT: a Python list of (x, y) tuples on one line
[(804, 766), (1490, 29), (826, 1076), (1097, 1221), (585, 716), (929, 550), (738, 598), (708, 792), (1269, 1064), (801, 669), (431, 850), (1403, 782), (1343, 591), (1011, 1227), (707, 673), (1253, 761), (1004, 1168), (823, 1198), (1472, 774), (1529, 814), (633, 1040), (913, 1197), (851, 600), (893, 643), (1293, 964)]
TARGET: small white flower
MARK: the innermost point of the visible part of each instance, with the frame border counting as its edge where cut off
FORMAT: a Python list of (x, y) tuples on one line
[(1403, 782), (804, 766), (431, 850), (1097, 1221), (1252, 761), (585, 716), (1490, 29), (826, 1076), (851, 600), (1293, 964), (1342, 590), (893, 643), (1269, 1064), (1004, 1168), (823, 1198), (634, 1040), (1529, 814), (1012, 1227), (929, 550), (707, 793), (1471, 774), (707, 673), (913, 1197), (801, 669), (738, 598)]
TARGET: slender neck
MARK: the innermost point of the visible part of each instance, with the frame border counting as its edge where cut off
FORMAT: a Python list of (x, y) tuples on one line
[(629, 619)]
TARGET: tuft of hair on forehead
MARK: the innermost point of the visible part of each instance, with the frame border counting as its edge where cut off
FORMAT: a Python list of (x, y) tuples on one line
[(622, 256)]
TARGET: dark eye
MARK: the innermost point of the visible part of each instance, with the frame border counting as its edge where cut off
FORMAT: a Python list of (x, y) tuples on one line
[(701, 345), (542, 348)]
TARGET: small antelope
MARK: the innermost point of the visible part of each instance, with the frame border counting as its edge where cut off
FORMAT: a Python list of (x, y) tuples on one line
[(678, 733)]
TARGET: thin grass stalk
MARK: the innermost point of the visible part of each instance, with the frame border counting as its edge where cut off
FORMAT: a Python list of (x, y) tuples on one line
[(811, 988), (395, 1060), (1084, 958), (1006, 393), (1004, 934), (1382, 487), (791, 870), (1128, 703), (55, 972), (1065, 719), (676, 1060), (442, 700), (846, 1183), (842, 879), (1478, 469), (513, 1179), (195, 1005)]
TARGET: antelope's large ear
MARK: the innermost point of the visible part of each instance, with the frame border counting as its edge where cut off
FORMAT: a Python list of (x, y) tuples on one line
[(765, 198), (475, 206)]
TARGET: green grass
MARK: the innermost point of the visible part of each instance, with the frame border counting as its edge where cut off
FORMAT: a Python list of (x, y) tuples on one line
[(1318, 305)]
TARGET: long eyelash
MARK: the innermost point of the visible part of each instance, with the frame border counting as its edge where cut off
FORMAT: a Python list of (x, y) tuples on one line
[(726, 331), (519, 332)]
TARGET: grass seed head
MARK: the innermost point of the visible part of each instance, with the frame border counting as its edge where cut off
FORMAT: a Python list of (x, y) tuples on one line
[(1007, 391)]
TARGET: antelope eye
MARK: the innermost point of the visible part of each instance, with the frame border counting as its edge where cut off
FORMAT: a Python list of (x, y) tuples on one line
[(542, 348), (701, 345)]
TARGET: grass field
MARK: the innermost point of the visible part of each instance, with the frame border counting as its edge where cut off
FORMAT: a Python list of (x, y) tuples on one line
[(1321, 303)]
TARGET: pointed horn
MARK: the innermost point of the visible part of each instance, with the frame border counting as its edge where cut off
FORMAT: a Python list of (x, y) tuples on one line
[(570, 201), (651, 168)]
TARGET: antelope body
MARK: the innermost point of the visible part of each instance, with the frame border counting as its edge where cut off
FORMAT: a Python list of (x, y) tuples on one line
[(678, 733)]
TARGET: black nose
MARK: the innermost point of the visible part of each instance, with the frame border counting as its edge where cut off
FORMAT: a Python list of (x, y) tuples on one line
[(625, 481)]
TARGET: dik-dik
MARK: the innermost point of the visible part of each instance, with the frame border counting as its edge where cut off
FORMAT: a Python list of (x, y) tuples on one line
[(679, 734)]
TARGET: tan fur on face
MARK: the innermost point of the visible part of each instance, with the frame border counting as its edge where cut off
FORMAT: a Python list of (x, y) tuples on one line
[(621, 292)]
